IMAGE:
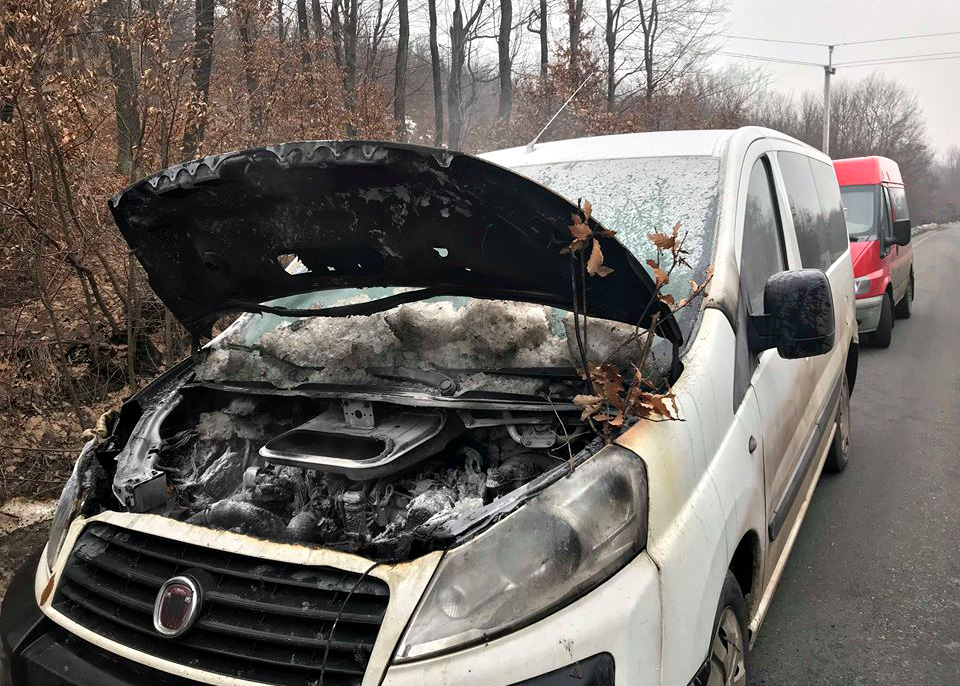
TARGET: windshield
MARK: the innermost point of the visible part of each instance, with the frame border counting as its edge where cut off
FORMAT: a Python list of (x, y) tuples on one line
[(639, 196), (861, 205)]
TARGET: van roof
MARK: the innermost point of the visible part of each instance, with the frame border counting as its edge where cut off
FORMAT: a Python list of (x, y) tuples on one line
[(862, 171), (713, 143)]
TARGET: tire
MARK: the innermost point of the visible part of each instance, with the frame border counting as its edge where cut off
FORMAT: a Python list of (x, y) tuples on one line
[(881, 337), (839, 454), (730, 646), (904, 307)]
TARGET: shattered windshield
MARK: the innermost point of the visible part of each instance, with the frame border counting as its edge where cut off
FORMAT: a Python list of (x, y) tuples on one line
[(639, 196)]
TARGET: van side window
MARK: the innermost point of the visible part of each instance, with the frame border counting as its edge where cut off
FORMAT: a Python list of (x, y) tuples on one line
[(898, 198), (831, 203), (762, 254), (818, 249)]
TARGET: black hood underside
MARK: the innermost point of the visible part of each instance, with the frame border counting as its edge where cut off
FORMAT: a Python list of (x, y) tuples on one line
[(213, 234)]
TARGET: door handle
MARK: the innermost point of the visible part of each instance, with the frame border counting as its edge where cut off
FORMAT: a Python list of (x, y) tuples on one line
[(752, 445)]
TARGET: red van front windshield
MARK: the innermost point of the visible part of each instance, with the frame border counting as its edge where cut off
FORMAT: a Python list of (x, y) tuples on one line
[(862, 203)]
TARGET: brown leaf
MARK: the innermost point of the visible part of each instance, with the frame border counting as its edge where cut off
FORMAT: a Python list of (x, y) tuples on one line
[(676, 229), (588, 403), (667, 298), (605, 233), (662, 240), (660, 275), (580, 230), (587, 209), (596, 258)]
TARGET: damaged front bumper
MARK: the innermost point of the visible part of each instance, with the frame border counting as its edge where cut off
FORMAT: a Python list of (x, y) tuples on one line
[(609, 636)]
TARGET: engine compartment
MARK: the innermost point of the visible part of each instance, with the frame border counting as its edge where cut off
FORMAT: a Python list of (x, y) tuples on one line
[(252, 463)]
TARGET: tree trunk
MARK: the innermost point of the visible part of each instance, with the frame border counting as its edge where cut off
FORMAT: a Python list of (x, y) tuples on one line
[(245, 29), (544, 47), (125, 87), (350, 40), (400, 74), (575, 22), (281, 26), (336, 33), (195, 128), (317, 12), (303, 31), (503, 48), (454, 112), (610, 35), (435, 69)]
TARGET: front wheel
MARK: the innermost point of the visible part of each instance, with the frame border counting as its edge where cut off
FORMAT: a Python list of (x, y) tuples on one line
[(729, 652), (839, 454), (904, 308), (881, 337)]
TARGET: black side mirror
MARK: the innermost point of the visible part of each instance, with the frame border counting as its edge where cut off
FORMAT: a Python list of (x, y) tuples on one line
[(798, 319), (901, 232)]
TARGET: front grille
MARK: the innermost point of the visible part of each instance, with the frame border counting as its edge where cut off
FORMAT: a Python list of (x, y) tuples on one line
[(261, 620)]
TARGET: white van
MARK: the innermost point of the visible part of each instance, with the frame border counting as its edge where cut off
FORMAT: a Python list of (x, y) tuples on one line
[(379, 475)]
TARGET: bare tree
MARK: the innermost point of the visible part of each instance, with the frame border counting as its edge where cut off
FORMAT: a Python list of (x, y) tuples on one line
[(316, 10), (303, 31), (246, 31), (677, 36), (575, 29), (400, 74), (538, 14), (202, 58), (505, 62), (435, 73), (116, 22), (461, 32)]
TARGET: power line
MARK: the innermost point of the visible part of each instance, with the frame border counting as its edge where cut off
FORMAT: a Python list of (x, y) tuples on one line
[(903, 61), (896, 38), (899, 58), (774, 40), (763, 58)]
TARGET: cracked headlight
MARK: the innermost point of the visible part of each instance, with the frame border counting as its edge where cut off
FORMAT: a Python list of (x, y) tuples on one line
[(861, 285), (576, 534)]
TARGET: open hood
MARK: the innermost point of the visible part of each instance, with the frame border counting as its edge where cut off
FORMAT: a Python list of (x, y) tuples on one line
[(210, 233)]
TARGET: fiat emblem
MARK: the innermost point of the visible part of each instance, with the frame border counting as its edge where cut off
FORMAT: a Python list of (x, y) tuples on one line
[(177, 606)]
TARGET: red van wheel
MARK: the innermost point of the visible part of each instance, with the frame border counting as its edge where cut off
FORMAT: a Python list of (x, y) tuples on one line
[(881, 337), (904, 307)]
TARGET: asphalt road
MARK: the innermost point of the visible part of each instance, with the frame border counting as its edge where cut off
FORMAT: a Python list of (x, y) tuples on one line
[(871, 593)]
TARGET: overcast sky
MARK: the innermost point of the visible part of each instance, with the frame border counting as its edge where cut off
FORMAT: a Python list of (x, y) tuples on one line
[(936, 83)]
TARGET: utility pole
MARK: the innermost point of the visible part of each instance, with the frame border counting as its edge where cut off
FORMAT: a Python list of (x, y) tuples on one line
[(828, 71)]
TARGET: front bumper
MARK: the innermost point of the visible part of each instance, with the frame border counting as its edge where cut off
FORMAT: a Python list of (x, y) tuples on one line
[(608, 637), (868, 313)]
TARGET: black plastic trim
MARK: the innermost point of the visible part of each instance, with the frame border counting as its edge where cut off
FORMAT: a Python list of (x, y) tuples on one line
[(594, 671), (779, 516)]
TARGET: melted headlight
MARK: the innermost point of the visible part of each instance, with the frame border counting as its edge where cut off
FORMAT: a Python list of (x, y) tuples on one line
[(570, 538)]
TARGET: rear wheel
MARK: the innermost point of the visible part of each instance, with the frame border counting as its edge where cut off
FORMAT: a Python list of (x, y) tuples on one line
[(730, 647), (839, 454), (881, 337), (904, 307)]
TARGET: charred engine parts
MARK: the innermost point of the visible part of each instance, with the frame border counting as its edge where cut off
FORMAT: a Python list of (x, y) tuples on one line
[(361, 444), (375, 478)]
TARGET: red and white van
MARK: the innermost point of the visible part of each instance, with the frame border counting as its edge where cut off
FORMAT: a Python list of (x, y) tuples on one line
[(878, 223)]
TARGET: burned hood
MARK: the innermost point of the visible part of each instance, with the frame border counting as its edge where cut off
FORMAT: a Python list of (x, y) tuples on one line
[(214, 235)]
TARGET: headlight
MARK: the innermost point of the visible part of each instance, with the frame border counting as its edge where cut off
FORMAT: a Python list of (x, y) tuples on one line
[(68, 507), (861, 285), (574, 535)]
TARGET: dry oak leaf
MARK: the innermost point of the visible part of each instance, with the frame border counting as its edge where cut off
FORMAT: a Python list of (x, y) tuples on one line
[(660, 275), (595, 264)]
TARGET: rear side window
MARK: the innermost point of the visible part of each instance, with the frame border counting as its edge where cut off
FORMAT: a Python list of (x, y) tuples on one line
[(819, 223), (762, 253), (898, 198)]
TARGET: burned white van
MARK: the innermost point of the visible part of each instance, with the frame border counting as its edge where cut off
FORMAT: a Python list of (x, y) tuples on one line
[(382, 471)]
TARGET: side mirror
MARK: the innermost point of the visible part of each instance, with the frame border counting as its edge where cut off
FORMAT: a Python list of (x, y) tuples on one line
[(798, 319), (901, 232)]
